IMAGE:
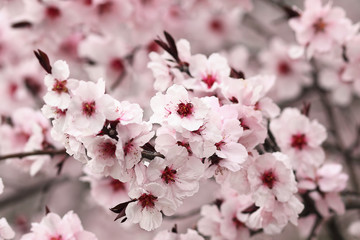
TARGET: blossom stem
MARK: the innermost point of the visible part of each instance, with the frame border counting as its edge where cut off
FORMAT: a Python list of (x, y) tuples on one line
[(34, 153), (316, 225), (335, 233)]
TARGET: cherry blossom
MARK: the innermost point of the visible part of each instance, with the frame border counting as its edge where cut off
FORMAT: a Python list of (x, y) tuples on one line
[(150, 200), (178, 109), (271, 179), (52, 226), (319, 28), (87, 106), (327, 182), (208, 73), (292, 74), (301, 139), (177, 173), (107, 191), (58, 86), (178, 112)]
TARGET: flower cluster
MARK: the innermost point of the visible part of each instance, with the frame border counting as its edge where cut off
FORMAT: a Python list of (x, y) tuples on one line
[(152, 121), (209, 121), (332, 39)]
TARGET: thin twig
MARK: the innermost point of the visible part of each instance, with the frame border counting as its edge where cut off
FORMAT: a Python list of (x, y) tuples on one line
[(34, 153), (333, 228), (316, 225)]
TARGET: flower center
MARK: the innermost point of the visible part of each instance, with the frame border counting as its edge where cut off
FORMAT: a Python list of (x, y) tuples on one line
[(60, 87), (13, 87), (116, 185), (209, 80), (168, 175), (88, 108), (185, 109), (147, 200), (108, 149), (117, 65), (217, 26), (319, 25), (219, 145), (53, 12), (57, 238), (257, 106), (128, 146), (268, 178), (283, 68), (59, 112), (298, 141)]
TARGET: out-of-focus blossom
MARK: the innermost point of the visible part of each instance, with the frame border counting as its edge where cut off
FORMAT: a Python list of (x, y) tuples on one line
[(52, 226), (319, 28)]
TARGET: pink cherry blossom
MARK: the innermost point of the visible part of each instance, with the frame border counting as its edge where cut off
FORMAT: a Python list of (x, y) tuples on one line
[(292, 74), (301, 138), (324, 187), (209, 224), (233, 225), (319, 28), (107, 192), (274, 219), (208, 73), (252, 92), (131, 138), (164, 71), (102, 152), (87, 109), (59, 86), (177, 173), (150, 200), (271, 179), (229, 153), (178, 109), (52, 226), (335, 78)]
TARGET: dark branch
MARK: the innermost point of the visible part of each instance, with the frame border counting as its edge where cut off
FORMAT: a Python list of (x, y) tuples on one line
[(151, 155), (34, 153)]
